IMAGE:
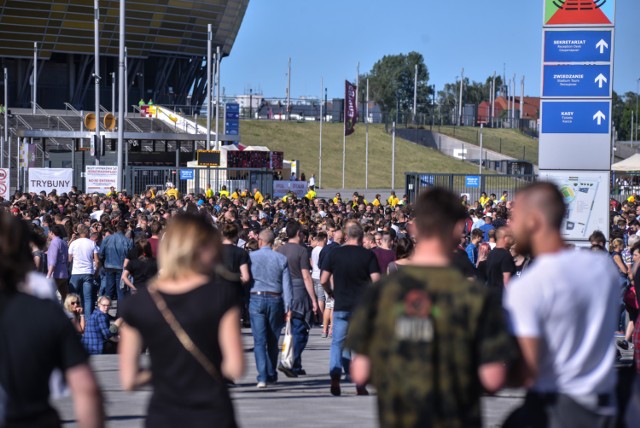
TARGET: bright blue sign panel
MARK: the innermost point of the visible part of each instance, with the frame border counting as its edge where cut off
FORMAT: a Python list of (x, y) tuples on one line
[(472, 181), (570, 81), (577, 46), (232, 119), (187, 174), (574, 117)]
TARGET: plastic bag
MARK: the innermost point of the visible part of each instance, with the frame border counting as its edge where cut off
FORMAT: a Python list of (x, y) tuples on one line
[(286, 356)]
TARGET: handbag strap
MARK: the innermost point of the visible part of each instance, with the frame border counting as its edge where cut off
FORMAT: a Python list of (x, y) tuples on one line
[(182, 335)]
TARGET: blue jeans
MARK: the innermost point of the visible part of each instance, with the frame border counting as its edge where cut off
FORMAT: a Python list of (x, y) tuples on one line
[(84, 286), (267, 320), (339, 358), (300, 333), (112, 284)]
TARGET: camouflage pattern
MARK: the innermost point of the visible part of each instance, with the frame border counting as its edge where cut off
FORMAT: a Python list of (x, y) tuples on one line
[(426, 332)]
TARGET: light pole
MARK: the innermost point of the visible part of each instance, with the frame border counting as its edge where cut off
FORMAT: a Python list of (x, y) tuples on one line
[(250, 103), (121, 97), (35, 76), (96, 77), (6, 114)]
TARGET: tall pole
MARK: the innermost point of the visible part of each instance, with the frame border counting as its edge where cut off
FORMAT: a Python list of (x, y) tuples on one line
[(415, 93), (637, 96), (6, 115), (96, 76), (126, 82), (480, 160), (320, 148), (521, 99), (513, 113), (289, 90), (121, 97), (35, 77), (366, 140), (113, 93), (209, 91), (393, 156), (493, 98), (217, 97), (509, 101), (460, 99)]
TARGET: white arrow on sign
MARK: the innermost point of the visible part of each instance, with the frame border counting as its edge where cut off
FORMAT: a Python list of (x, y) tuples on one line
[(602, 45), (600, 80), (599, 116)]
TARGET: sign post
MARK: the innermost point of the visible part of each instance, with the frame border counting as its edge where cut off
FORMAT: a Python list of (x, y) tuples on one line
[(575, 133)]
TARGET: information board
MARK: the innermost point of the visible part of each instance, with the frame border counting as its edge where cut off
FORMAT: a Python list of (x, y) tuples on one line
[(579, 12), (208, 157), (5, 184), (577, 46), (232, 119), (576, 81), (576, 117), (100, 178)]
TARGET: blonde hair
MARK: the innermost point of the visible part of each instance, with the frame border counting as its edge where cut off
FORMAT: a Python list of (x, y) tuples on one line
[(179, 249), (68, 299), (617, 243)]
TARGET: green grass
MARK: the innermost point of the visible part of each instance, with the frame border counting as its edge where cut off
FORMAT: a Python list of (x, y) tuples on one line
[(300, 141), (506, 141)]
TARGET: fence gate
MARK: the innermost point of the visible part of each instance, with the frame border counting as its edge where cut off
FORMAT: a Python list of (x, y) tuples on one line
[(470, 185), (195, 179)]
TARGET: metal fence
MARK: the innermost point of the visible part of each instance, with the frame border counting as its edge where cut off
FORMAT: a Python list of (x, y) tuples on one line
[(195, 179), (470, 185)]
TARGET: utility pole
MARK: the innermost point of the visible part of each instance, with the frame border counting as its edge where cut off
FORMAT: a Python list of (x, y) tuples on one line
[(460, 100), (320, 148), (113, 92), (96, 77), (209, 91), (6, 117), (493, 98), (289, 90), (393, 156), (217, 97), (415, 94), (521, 101), (35, 77), (366, 140), (121, 97)]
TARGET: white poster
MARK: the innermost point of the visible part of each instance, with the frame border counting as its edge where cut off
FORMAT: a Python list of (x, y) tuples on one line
[(281, 187), (100, 179), (586, 194), (47, 179), (5, 184)]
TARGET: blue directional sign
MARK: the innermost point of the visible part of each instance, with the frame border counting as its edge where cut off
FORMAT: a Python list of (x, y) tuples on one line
[(472, 181), (575, 117), (578, 46), (187, 174), (571, 81), (232, 119)]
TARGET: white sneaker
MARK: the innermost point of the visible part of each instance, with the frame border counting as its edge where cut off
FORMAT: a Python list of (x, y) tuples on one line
[(261, 385)]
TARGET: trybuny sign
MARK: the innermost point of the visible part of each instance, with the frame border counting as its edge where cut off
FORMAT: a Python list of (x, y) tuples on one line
[(48, 179)]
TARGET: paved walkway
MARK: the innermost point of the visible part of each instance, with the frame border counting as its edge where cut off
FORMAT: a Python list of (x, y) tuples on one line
[(304, 400)]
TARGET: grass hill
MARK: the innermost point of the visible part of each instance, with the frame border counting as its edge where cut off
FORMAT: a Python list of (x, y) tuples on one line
[(300, 141), (509, 142)]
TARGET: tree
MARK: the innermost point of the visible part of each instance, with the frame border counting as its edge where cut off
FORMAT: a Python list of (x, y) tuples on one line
[(624, 108), (391, 83)]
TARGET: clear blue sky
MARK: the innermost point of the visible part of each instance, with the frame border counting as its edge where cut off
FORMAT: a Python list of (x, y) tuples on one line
[(327, 38)]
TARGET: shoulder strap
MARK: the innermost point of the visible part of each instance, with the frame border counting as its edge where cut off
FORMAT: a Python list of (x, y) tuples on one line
[(182, 335)]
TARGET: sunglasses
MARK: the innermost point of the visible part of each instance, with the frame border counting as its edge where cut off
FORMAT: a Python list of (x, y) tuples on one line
[(75, 303)]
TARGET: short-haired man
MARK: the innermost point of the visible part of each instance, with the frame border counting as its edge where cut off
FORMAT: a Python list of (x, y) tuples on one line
[(271, 297), (99, 336), (472, 249), (439, 339), (352, 268), (563, 310), (83, 254), (500, 265), (304, 303)]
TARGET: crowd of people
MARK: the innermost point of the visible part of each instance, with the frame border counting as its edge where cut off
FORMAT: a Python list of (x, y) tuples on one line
[(432, 302)]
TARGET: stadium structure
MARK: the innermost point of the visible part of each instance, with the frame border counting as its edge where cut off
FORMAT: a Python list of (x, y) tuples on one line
[(166, 43)]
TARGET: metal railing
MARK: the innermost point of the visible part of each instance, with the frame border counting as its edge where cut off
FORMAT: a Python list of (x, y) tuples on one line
[(466, 184)]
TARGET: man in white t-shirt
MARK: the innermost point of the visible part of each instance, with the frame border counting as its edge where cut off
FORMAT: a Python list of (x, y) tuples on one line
[(563, 311), (321, 241), (83, 253)]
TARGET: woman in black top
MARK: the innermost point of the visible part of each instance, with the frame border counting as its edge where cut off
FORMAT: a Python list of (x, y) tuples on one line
[(187, 391), (142, 268)]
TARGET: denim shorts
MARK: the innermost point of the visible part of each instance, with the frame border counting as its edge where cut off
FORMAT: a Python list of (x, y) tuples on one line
[(320, 294), (329, 303)]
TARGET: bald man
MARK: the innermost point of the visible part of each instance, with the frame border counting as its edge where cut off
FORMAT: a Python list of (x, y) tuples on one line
[(563, 312)]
